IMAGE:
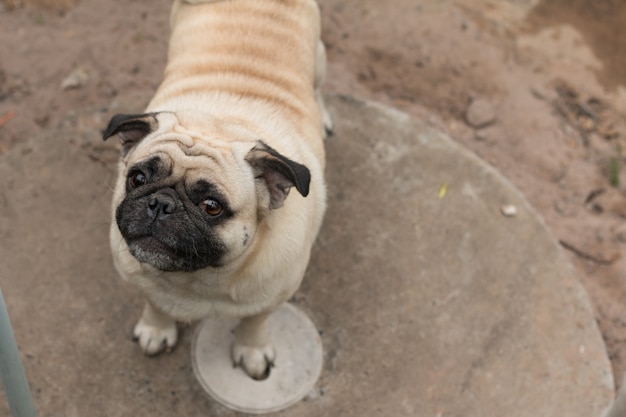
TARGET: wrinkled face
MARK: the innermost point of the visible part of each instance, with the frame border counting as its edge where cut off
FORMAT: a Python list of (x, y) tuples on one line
[(181, 223), (184, 204)]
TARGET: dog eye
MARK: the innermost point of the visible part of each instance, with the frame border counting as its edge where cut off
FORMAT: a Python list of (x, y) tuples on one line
[(137, 179), (211, 207)]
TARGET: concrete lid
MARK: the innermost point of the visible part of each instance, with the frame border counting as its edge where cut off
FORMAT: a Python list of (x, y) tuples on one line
[(297, 366), (429, 300)]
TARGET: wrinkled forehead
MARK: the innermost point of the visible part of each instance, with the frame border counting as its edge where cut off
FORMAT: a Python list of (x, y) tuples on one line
[(192, 127), (171, 161), (196, 142), (181, 155)]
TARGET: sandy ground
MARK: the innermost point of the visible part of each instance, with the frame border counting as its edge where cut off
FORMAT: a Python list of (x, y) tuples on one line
[(535, 88)]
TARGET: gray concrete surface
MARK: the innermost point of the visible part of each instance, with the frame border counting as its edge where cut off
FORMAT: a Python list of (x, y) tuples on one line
[(428, 304)]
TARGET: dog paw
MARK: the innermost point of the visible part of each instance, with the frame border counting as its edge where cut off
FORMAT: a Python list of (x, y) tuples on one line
[(154, 339), (256, 362)]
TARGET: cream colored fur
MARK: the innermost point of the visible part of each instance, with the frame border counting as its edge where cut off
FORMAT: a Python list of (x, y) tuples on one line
[(238, 71)]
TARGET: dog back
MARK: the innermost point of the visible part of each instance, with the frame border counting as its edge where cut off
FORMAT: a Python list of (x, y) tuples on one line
[(245, 51)]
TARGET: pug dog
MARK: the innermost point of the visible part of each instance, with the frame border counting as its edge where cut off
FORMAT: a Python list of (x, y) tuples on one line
[(205, 221)]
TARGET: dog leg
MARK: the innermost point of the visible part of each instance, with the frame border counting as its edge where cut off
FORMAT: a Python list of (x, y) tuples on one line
[(155, 331), (252, 349), (320, 75)]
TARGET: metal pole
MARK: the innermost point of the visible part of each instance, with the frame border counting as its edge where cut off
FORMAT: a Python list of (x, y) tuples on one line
[(12, 372)]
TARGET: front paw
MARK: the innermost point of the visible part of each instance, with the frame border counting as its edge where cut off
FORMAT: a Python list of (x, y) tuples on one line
[(255, 361), (154, 339)]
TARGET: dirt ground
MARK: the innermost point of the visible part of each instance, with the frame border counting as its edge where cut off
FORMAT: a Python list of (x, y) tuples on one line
[(536, 88)]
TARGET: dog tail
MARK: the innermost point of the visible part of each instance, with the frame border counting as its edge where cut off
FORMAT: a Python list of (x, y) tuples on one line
[(618, 409)]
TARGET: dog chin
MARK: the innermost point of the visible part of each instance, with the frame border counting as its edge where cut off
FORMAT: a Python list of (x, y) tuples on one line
[(154, 252)]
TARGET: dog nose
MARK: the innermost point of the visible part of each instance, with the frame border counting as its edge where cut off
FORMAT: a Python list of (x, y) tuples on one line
[(160, 206)]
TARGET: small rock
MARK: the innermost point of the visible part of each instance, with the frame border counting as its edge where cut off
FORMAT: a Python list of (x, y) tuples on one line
[(76, 79), (480, 113), (509, 210)]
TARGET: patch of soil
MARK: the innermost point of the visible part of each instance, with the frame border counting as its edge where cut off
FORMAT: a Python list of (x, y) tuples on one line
[(601, 25)]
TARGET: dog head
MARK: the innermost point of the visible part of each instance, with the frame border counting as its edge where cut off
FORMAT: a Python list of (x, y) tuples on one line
[(192, 199)]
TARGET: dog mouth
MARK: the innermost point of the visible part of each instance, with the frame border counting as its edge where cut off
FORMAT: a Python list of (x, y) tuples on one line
[(151, 250), (151, 244), (155, 252)]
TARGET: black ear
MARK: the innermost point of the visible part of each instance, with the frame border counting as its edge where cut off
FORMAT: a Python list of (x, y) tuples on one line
[(279, 173), (131, 128)]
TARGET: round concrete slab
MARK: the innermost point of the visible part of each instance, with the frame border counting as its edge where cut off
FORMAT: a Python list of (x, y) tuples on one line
[(296, 369), (431, 302)]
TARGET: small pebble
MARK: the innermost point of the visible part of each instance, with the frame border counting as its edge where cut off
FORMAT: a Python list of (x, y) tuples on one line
[(480, 113), (75, 79), (509, 210)]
